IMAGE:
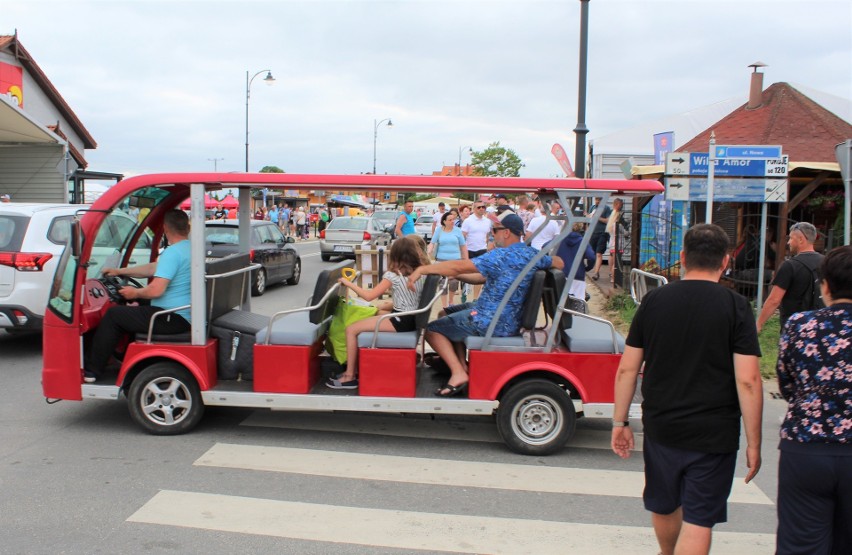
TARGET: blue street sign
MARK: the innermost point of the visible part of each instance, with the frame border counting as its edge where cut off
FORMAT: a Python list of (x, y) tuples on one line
[(727, 189), (759, 152), (737, 167)]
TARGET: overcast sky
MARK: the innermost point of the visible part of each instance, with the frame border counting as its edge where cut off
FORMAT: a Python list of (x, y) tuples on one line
[(161, 85)]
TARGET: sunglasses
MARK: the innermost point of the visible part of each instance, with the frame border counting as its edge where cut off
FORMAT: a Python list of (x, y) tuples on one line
[(479, 207), (499, 228)]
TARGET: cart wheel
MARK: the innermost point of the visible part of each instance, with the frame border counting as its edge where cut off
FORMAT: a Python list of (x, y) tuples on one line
[(536, 417), (325, 257), (165, 400)]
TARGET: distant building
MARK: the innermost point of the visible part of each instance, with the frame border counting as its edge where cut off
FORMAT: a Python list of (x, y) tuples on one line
[(455, 170)]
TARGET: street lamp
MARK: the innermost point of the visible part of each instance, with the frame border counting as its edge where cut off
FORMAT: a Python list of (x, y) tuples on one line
[(376, 125), (215, 163), (461, 149), (269, 79)]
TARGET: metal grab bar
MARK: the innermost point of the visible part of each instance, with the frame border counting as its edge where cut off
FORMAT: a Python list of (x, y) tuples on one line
[(331, 291), (596, 319), (437, 296), (210, 277), (639, 284)]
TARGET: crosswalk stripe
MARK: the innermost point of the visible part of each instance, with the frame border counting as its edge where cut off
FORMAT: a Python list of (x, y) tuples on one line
[(412, 530), (397, 426), (516, 477)]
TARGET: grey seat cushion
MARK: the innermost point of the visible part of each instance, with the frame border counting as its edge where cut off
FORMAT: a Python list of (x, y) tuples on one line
[(389, 339), (241, 321), (476, 342), (293, 329), (589, 336)]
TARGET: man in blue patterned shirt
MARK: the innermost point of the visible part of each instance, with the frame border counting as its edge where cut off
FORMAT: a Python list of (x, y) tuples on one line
[(497, 269)]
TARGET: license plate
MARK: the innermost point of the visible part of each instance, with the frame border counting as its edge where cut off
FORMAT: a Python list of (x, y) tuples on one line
[(343, 248)]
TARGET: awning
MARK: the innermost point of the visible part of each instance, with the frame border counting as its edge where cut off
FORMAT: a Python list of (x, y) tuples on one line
[(340, 200), (17, 127)]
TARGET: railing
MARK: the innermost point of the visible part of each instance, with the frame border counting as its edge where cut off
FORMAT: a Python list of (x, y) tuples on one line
[(641, 282)]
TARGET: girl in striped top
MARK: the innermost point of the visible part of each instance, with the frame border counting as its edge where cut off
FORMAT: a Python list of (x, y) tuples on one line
[(406, 254)]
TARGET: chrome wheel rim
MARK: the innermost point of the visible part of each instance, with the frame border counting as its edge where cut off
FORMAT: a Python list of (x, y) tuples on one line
[(537, 420), (166, 401)]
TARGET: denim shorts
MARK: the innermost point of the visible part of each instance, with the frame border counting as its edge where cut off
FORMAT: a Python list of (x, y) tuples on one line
[(455, 327)]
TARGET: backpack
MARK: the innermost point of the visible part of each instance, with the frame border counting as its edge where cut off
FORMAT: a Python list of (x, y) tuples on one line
[(812, 299)]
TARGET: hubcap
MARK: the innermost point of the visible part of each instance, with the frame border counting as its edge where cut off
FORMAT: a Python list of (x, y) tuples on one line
[(166, 401), (537, 420)]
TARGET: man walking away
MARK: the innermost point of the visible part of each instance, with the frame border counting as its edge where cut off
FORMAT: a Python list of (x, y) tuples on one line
[(795, 286), (699, 345)]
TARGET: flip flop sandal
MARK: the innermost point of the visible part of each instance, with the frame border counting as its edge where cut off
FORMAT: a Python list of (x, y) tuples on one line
[(452, 390)]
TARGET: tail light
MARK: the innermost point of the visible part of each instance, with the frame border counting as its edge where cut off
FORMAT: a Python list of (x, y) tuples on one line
[(322, 234), (25, 261), (367, 236), (251, 255)]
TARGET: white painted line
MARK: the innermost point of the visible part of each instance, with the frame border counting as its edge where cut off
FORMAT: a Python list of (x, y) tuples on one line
[(515, 477), (398, 426), (412, 530)]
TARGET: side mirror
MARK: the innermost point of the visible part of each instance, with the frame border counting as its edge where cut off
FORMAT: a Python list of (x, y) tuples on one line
[(289, 239), (76, 236)]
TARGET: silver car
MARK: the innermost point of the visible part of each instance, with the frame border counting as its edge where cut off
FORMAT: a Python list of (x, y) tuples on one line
[(346, 233)]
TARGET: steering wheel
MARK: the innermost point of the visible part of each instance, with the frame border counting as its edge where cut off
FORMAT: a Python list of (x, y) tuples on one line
[(113, 284)]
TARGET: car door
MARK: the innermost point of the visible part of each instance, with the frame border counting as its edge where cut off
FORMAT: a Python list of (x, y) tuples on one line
[(286, 254), (272, 257)]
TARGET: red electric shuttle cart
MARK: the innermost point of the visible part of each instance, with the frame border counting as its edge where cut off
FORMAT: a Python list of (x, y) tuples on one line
[(535, 385)]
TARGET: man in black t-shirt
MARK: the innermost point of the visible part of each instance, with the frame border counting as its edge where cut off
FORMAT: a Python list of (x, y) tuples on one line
[(698, 342), (794, 280)]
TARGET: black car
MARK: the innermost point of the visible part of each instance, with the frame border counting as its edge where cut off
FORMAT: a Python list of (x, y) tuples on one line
[(269, 248)]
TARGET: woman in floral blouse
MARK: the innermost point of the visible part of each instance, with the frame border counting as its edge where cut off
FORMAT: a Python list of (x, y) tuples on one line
[(815, 377)]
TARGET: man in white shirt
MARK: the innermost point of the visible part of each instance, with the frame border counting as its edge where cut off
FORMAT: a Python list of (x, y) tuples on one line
[(477, 234), (551, 229), (436, 217)]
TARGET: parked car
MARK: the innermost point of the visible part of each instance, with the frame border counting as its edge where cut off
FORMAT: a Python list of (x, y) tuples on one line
[(387, 218), (269, 247), (423, 226), (345, 233), (32, 238)]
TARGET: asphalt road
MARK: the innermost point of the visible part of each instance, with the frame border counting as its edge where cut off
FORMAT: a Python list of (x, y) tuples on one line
[(82, 478)]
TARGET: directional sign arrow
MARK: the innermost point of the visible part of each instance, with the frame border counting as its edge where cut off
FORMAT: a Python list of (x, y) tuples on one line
[(675, 184), (678, 160)]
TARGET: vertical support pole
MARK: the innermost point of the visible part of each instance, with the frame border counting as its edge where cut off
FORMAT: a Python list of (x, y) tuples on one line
[(761, 269), (581, 130), (711, 170)]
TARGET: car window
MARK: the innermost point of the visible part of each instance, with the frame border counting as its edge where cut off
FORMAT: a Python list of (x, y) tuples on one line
[(348, 222), (265, 234), (12, 230), (60, 230), (222, 235)]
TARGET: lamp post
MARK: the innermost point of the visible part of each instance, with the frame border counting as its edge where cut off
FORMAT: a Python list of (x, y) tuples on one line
[(269, 79), (376, 125), (215, 163), (462, 149)]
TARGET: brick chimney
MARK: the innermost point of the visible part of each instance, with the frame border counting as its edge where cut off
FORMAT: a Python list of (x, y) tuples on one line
[(755, 93)]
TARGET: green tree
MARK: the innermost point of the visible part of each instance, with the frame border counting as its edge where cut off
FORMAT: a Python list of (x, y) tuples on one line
[(496, 161), (271, 169)]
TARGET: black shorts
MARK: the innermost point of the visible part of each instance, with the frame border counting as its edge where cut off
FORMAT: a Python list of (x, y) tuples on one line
[(404, 323), (698, 482), (474, 254), (599, 241)]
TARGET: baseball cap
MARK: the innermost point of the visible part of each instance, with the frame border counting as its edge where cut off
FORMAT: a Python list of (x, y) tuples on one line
[(510, 221), (5, 197), (501, 195)]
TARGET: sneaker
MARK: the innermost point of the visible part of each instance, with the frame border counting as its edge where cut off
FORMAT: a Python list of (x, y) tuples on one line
[(89, 377), (334, 383)]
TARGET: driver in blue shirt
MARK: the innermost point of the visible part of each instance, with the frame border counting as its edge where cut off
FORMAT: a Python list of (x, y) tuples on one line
[(497, 269), (169, 288)]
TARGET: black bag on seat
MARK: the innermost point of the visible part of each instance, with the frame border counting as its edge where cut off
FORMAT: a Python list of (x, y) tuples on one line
[(237, 332)]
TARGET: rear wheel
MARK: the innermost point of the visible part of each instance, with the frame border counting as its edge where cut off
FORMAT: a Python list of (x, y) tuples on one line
[(536, 417), (258, 286), (165, 399), (325, 257), (297, 273)]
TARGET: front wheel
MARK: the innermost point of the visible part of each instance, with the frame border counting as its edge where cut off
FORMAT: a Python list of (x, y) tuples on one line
[(536, 417), (258, 286), (165, 399), (325, 257), (297, 273)]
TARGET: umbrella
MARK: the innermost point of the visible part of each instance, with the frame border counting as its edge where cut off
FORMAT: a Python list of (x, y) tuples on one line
[(209, 202)]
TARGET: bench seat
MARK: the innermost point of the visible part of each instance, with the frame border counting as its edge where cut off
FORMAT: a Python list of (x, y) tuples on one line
[(476, 342), (294, 329), (389, 339), (590, 336)]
